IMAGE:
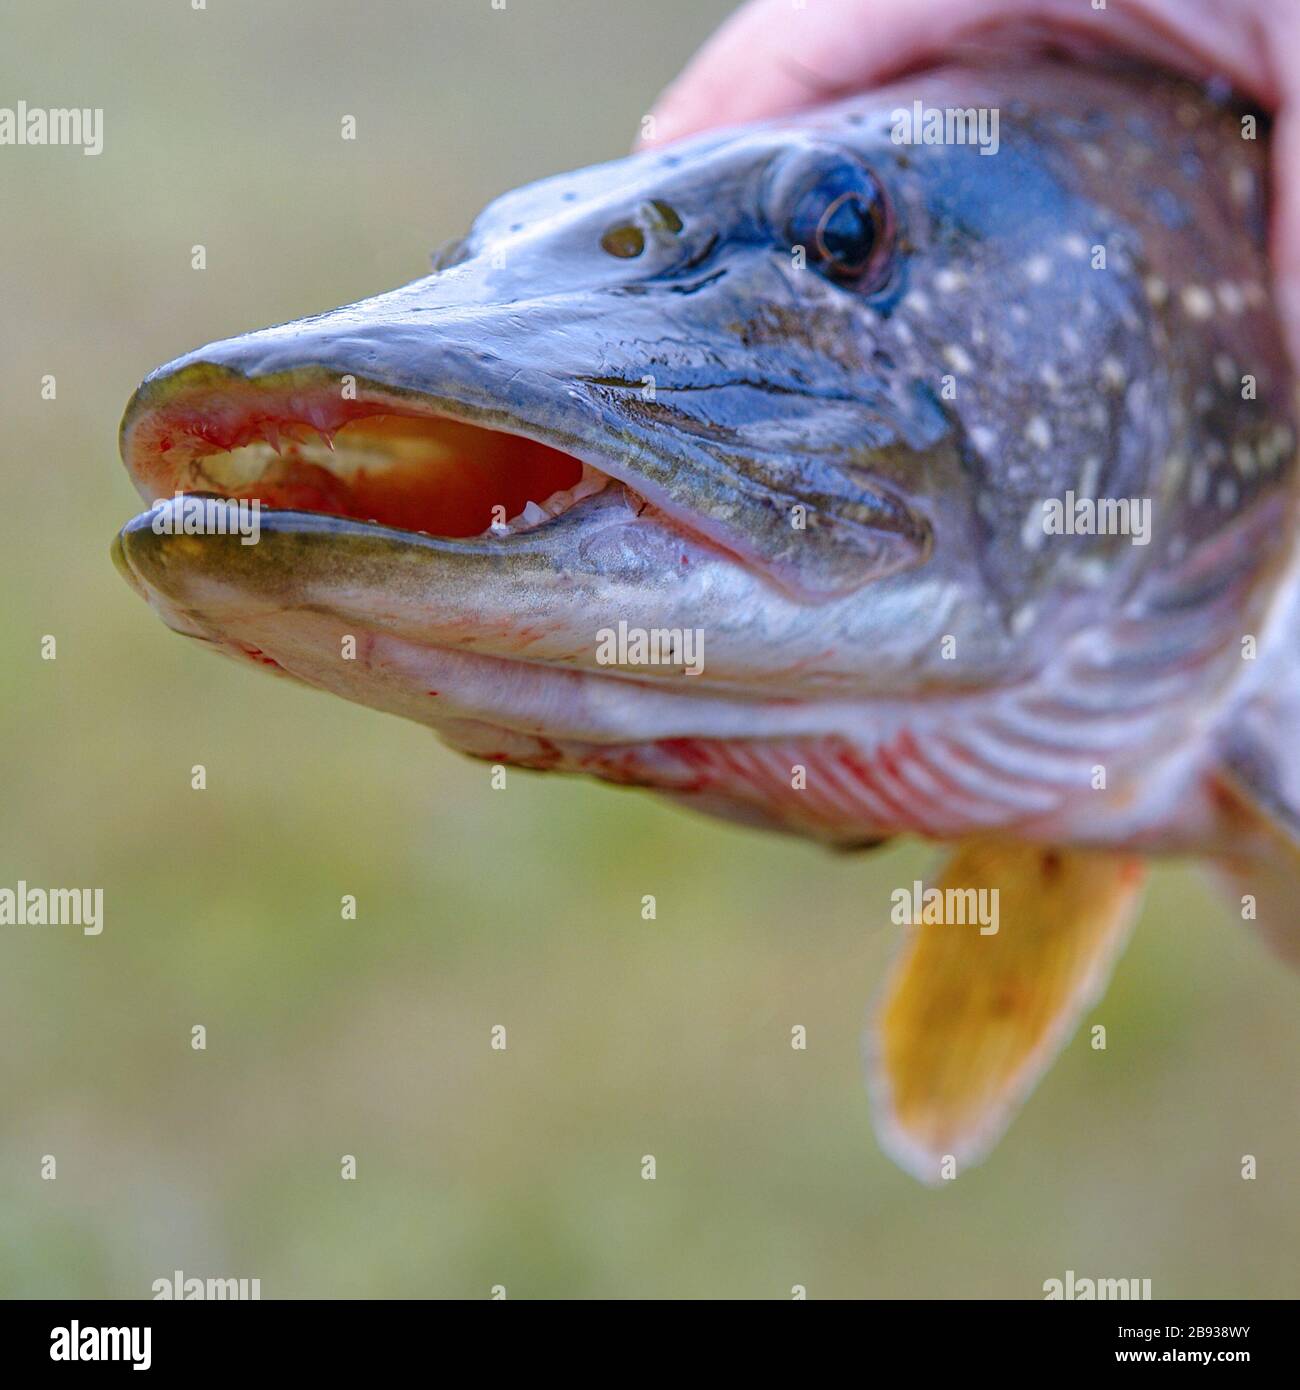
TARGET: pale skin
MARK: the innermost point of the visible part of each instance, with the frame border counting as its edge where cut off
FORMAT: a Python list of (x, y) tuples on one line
[(776, 56)]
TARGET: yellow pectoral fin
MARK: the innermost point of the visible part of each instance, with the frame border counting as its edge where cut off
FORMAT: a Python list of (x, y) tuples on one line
[(970, 1021)]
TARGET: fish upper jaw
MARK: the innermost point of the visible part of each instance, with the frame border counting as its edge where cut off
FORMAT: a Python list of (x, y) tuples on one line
[(599, 377)]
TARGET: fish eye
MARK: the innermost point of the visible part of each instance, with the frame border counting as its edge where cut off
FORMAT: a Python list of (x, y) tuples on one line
[(834, 207)]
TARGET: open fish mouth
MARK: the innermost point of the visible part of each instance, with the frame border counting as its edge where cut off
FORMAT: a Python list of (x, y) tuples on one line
[(424, 523), (460, 501), (309, 442)]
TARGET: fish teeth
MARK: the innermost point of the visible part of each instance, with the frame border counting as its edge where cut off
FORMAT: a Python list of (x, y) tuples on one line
[(535, 514), (558, 502)]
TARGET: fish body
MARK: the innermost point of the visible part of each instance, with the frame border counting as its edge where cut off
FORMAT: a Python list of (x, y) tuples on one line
[(828, 478)]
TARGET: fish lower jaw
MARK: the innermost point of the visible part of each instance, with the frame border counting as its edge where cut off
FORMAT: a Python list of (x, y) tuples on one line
[(842, 771), (822, 768)]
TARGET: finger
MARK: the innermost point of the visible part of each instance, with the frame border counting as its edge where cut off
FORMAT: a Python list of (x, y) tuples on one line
[(771, 58)]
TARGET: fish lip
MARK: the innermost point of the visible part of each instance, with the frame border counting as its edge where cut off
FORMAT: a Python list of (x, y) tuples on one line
[(168, 386), (682, 706), (360, 541), (289, 520)]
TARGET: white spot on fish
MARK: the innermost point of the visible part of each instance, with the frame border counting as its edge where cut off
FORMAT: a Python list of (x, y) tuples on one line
[(1113, 373), (1022, 618), (983, 439), (949, 281), (1038, 432), (1224, 369), (1038, 270), (1241, 184), (1157, 290), (1230, 297), (1276, 447), (1198, 302), (958, 358)]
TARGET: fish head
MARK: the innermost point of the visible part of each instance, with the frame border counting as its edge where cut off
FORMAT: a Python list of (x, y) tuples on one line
[(781, 387)]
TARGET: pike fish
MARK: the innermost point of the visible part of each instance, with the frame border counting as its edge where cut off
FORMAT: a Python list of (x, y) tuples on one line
[(970, 473)]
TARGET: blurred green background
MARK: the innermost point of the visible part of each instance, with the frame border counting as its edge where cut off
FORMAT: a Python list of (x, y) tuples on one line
[(476, 907)]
